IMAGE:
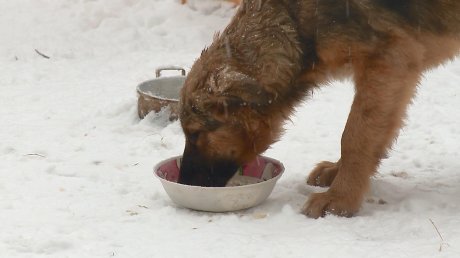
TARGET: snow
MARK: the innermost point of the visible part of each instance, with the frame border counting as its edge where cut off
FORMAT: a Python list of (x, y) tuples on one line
[(76, 162)]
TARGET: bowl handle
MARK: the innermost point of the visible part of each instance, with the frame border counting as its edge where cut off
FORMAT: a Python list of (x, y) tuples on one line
[(169, 68)]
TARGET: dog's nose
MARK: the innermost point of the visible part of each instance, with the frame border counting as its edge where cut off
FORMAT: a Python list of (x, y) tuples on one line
[(192, 170), (197, 170)]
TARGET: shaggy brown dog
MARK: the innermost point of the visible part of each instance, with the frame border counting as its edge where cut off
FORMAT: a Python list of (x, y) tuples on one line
[(274, 52)]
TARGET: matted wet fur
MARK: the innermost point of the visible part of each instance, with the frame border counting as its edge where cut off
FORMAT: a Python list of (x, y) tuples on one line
[(275, 52)]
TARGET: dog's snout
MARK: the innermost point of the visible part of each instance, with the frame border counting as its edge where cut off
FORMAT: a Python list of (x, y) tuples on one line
[(200, 171)]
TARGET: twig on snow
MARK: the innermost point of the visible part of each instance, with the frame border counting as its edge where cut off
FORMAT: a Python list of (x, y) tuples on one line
[(440, 236), (41, 54), (35, 154)]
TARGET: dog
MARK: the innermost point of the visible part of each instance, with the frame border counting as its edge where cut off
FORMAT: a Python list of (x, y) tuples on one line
[(274, 53)]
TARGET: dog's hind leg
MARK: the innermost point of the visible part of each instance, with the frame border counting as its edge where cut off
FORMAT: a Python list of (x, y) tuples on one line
[(385, 83)]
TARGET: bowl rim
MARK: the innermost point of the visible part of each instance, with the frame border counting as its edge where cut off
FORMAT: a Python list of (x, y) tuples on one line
[(157, 166), (157, 80)]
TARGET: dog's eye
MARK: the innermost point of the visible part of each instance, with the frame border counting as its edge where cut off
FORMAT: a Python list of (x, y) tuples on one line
[(195, 110), (212, 124)]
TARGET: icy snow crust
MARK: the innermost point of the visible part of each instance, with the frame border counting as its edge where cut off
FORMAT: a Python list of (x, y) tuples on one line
[(76, 162)]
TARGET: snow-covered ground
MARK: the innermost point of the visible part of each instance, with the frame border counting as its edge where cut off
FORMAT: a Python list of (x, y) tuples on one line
[(76, 162)]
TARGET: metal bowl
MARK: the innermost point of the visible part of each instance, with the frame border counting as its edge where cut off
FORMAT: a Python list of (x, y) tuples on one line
[(264, 170), (157, 94)]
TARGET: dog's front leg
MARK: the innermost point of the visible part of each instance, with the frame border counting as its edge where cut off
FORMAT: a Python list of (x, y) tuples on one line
[(383, 91)]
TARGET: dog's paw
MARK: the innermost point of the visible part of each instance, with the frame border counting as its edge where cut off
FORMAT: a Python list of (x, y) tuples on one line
[(323, 175), (322, 204)]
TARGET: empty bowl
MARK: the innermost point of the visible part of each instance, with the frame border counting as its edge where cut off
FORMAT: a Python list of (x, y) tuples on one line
[(250, 186), (159, 93)]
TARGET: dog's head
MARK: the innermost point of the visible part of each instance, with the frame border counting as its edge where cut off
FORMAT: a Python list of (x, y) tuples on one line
[(238, 93), (223, 113)]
